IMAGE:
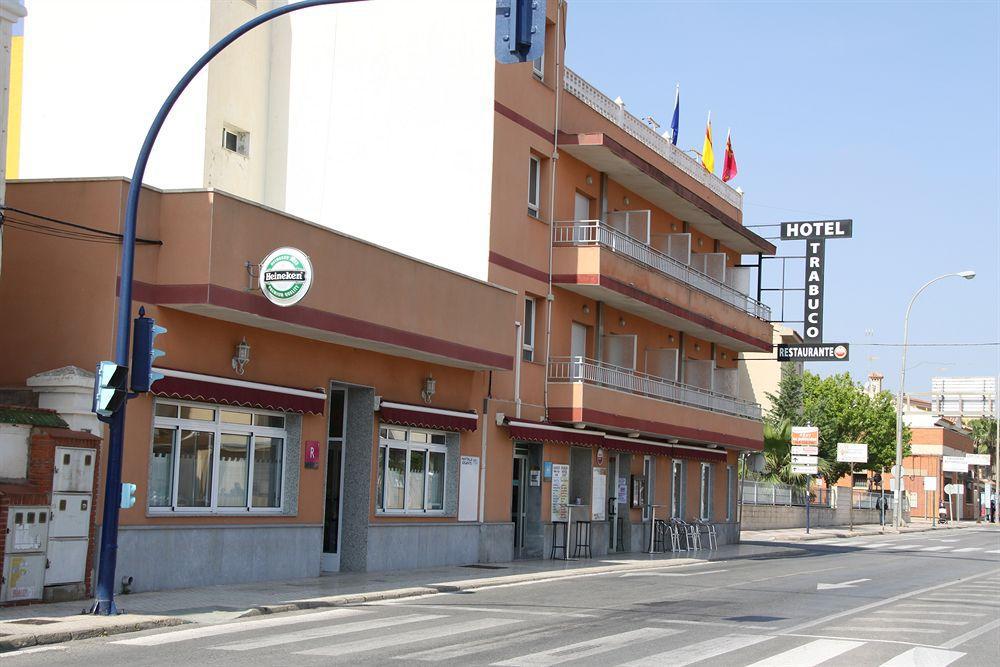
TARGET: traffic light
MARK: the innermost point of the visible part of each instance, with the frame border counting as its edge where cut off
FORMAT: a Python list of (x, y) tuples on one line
[(109, 388), (128, 495), (520, 30), (144, 331)]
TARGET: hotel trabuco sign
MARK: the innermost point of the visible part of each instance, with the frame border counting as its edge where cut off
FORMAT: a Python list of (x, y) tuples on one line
[(285, 276)]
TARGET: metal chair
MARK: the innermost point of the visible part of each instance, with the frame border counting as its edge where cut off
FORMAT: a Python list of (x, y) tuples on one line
[(660, 532), (710, 532), (675, 536)]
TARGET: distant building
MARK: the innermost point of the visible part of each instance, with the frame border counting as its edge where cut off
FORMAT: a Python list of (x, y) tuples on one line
[(760, 372)]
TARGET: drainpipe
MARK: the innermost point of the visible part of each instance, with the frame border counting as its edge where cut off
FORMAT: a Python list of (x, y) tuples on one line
[(519, 342), (549, 298), (482, 458)]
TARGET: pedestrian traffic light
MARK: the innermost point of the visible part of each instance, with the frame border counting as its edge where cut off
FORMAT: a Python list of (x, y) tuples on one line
[(128, 495), (520, 30), (144, 332), (109, 388)]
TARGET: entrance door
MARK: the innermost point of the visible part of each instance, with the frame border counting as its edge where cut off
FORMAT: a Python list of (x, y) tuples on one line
[(578, 348), (613, 503), (518, 505), (581, 207), (330, 561)]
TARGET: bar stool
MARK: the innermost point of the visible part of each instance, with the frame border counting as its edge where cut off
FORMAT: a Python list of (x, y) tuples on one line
[(582, 539), (660, 531), (556, 546)]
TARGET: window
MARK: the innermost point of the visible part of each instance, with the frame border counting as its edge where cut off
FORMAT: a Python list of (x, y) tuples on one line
[(730, 493), (411, 471), (236, 141), (212, 459), (706, 491), (859, 480), (534, 185), (677, 490), (538, 67), (528, 330)]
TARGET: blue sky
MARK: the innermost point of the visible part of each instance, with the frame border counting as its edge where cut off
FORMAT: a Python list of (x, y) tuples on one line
[(884, 112)]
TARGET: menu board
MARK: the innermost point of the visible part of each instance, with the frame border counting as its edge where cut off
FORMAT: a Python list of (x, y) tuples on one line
[(560, 492)]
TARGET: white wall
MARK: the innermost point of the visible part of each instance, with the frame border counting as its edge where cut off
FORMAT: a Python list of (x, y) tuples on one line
[(390, 137), (95, 73)]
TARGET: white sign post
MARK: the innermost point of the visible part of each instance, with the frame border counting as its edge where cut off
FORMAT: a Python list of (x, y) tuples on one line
[(852, 452), (954, 464), (805, 443)]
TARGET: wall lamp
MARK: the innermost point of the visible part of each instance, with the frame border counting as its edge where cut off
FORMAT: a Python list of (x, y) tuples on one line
[(430, 386), (242, 357)]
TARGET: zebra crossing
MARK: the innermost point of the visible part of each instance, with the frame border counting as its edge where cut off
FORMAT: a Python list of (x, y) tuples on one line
[(949, 547), (352, 635)]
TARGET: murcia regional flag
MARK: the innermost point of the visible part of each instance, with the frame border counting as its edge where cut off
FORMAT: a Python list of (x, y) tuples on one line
[(729, 169)]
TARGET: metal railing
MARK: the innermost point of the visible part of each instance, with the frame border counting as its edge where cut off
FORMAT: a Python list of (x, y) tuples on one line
[(576, 86), (595, 232), (769, 493), (581, 369)]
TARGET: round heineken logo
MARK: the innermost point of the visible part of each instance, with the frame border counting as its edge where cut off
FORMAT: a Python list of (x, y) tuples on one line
[(285, 276)]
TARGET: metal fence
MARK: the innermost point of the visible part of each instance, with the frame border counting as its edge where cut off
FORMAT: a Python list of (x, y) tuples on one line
[(769, 493), (595, 232), (581, 369)]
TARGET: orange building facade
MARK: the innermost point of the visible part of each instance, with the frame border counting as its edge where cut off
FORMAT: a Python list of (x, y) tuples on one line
[(402, 415)]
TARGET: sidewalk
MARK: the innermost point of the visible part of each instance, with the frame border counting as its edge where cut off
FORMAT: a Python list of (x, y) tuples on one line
[(21, 627), (917, 525)]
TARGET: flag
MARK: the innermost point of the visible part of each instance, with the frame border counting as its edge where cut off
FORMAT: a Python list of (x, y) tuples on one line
[(729, 169), (676, 120), (707, 156)]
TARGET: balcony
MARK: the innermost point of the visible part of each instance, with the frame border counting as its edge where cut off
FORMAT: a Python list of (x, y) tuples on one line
[(597, 233), (596, 373), (576, 86)]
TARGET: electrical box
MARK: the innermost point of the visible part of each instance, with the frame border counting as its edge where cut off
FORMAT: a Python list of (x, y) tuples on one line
[(23, 577), (67, 561), (74, 470), (27, 529), (70, 515)]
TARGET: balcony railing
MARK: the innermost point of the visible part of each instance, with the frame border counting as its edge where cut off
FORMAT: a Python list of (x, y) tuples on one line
[(616, 113), (595, 232), (590, 371)]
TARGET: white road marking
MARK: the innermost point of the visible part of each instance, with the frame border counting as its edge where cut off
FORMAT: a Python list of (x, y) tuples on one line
[(685, 655), (462, 649), (243, 626), (327, 631), (934, 548), (33, 649), (971, 634), (809, 655), (937, 611), (904, 546), (895, 629), (966, 550), (995, 551), (584, 649), (496, 610), (879, 603), (904, 619), (963, 596), (730, 624), (922, 656), (411, 637), (844, 584), (670, 574), (877, 545)]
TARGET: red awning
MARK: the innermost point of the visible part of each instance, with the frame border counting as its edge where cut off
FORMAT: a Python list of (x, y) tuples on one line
[(698, 454), (424, 416), (229, 391), (636, 446), (541, 432)]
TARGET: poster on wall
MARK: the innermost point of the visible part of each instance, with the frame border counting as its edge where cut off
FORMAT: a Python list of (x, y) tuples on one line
[(468, 489), (599, 494), (623, 490), (560, 492)]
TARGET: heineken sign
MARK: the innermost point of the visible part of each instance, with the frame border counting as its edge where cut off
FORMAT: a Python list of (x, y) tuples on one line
[(285, 276)]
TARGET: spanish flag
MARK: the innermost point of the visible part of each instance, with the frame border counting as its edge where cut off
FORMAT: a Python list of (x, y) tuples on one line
[(729, 169), (707, 156)]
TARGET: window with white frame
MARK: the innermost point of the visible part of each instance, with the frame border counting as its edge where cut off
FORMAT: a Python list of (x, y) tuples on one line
[(214, 458), (528, 330), (538, 67), (534, 185), (730, 493), (411, 471), (677, 490), (706, 491)]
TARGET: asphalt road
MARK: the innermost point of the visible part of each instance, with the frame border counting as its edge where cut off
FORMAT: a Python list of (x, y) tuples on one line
[(928, 599)]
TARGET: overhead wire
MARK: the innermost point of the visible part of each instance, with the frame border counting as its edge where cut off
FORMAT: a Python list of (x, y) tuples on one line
[(84, 233)]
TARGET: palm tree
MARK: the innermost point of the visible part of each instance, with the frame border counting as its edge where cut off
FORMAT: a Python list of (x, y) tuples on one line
[(778, 456)]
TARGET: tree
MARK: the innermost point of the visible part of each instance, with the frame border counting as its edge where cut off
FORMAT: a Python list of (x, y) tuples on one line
[(844, 413), (984, 434), (786, 405)]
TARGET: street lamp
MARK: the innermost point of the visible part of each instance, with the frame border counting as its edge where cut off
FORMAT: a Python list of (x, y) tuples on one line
[(897, 515)]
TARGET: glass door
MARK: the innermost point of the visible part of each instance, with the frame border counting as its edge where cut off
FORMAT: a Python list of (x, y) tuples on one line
[(330, 560), (613, 503), (517, 503)]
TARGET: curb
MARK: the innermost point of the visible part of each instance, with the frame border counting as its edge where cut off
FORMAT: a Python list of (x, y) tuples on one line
[(17, 642)]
